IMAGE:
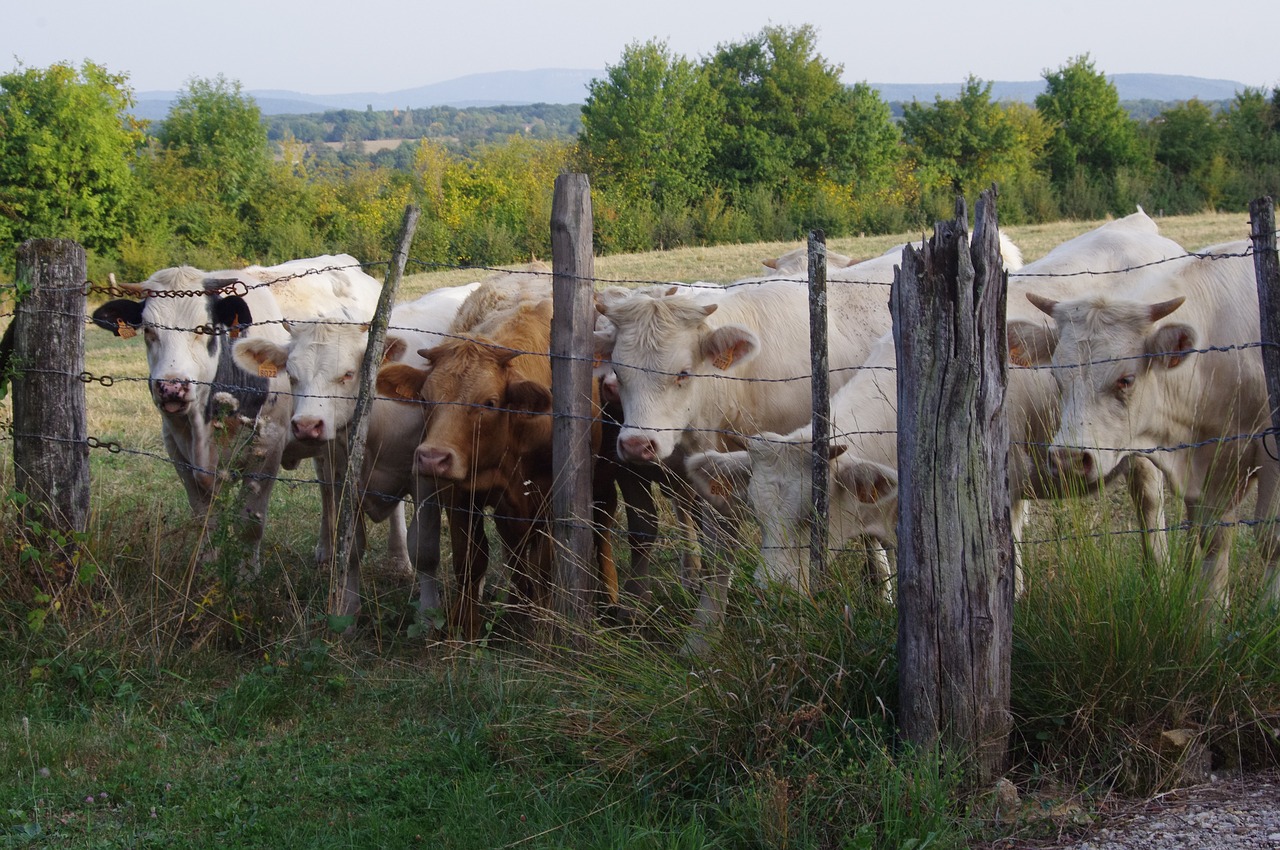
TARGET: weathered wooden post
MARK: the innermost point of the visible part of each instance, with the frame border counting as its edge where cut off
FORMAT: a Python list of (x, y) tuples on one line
[(1262, 220), (955, 544), (344, 591), (50, 426), (820, 382), (573, 265)]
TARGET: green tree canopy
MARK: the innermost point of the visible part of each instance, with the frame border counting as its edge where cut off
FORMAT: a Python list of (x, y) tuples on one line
[(788, 117), (66, 150), (1187, 137), (1093, 137), (647, 123), (214, 128)]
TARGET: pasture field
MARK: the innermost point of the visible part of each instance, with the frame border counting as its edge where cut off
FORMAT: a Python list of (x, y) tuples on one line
[(149, 699)]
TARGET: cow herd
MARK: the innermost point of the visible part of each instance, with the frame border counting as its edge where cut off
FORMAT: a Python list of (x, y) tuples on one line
[(1130, 360)]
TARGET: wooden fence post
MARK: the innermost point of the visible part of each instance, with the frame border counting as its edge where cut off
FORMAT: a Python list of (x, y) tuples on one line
[(344, 593), (1262, 220), (820, 382), (955, 603), (573, 264), (50, 425)]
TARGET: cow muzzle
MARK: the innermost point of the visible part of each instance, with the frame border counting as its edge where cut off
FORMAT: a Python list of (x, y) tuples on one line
[(1072, 465), (638, 448), (173, 395), (308, 429), (435, 462)]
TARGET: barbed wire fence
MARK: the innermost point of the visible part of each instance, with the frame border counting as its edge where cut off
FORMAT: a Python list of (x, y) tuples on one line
[(52, 442)]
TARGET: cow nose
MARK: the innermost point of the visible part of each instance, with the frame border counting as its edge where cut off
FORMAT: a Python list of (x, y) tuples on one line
[(609, 389), (173, 390), (1073, 464), (308, 428), (433, 461), (637, 447)]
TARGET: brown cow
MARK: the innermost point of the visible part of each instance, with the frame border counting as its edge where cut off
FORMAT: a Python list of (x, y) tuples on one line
[(489, 435)]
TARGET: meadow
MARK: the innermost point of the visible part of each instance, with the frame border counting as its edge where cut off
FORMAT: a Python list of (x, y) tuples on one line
[(148, 699)]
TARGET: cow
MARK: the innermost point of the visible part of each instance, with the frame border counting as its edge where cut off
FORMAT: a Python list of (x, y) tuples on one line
[(488, 436), (1165, 368), (322, 359), (187, 316), (774, 473), (698, 370)]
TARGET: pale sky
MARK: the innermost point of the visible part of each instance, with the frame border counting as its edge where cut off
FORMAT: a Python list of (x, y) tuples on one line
[(329, 47)]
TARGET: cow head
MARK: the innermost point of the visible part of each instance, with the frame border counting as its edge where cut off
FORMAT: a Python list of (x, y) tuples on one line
[(665, 357), (1111, 360), (184, 334)]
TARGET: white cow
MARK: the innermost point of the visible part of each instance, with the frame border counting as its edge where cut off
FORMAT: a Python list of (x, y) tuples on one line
[(322, 360), (699, 371), (1130, 383), (774, 474), (214, 416)]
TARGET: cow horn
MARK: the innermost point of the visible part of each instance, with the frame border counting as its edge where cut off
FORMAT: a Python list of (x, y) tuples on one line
[(1044, 305), (1164, 308)]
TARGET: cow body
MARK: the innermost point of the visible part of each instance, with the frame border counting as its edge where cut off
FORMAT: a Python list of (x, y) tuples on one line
[(322, 360), (1126, 388), (214, 415), (775, 475)]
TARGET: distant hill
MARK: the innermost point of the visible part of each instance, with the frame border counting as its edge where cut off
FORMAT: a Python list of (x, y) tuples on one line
[(560, 85)]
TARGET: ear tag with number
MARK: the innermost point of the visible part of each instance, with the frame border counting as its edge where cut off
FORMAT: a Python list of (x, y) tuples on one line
[(125, 331), (267, 370), (725, 359)]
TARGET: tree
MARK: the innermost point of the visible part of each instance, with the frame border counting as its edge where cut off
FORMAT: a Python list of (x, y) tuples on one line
[(647, 123), (1187, 137), (788, 118), (217, 130), (1093, 137), (67, 146)]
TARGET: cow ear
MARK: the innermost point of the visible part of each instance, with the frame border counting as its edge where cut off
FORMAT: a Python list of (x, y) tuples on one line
[(721, 478), (401, 382), (1031, 343), (867, 481), (394, 349), (111, 314), (232, 312), (1169, 344), (729, 345), (253, 354), (1044, 305), (528, 397)]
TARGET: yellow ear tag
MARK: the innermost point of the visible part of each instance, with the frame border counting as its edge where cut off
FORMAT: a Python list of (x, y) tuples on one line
[(726, 358), (720, 488), (125, 331), (267, 370), (234, 333)]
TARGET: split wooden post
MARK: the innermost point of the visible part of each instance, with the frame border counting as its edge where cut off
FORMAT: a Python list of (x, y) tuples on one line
[(1262, 220), (573, 265), (50, 423), (821, 384), (344, 597), (955, 543)]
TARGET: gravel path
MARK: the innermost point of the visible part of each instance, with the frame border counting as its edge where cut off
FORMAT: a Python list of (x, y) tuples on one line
[(1230, 814)]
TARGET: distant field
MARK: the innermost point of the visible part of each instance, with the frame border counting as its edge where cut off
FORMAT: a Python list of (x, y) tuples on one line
[(723, 263)]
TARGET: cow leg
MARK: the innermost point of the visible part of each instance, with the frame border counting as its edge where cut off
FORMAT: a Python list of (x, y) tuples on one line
[(330, 487), (423, 542), (470, 561), (1019, 513), (398, 557), (1146, 489), (1214, 543), (715, 586), (884, 570), (1266, 530)]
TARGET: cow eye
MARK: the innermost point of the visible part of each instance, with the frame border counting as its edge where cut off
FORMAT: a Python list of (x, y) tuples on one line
[(349, 376), (1124, 382), (150, 334), (682, 377), (491, 403)]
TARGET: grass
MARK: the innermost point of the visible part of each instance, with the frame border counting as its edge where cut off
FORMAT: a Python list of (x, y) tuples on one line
[(147, 701)]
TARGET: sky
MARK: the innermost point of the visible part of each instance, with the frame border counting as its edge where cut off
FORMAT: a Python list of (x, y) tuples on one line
[(329, 47)]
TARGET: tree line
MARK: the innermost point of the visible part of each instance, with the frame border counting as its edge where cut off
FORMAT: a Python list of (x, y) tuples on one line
[(758, 141)]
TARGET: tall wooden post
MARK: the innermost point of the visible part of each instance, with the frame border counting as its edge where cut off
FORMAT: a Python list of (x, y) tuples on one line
[(344, 595), (50, 425), (573, 264), (820, 382), (1262, 219), (955, 544)]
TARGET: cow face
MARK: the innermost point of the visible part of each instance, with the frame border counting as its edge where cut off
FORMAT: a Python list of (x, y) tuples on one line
[(322, 361), (773, 479), (1111, 362), (485, 411), (665, 357), (181, 333)]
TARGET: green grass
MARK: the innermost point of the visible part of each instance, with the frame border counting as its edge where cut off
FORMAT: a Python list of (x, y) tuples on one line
[(217, 713)]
